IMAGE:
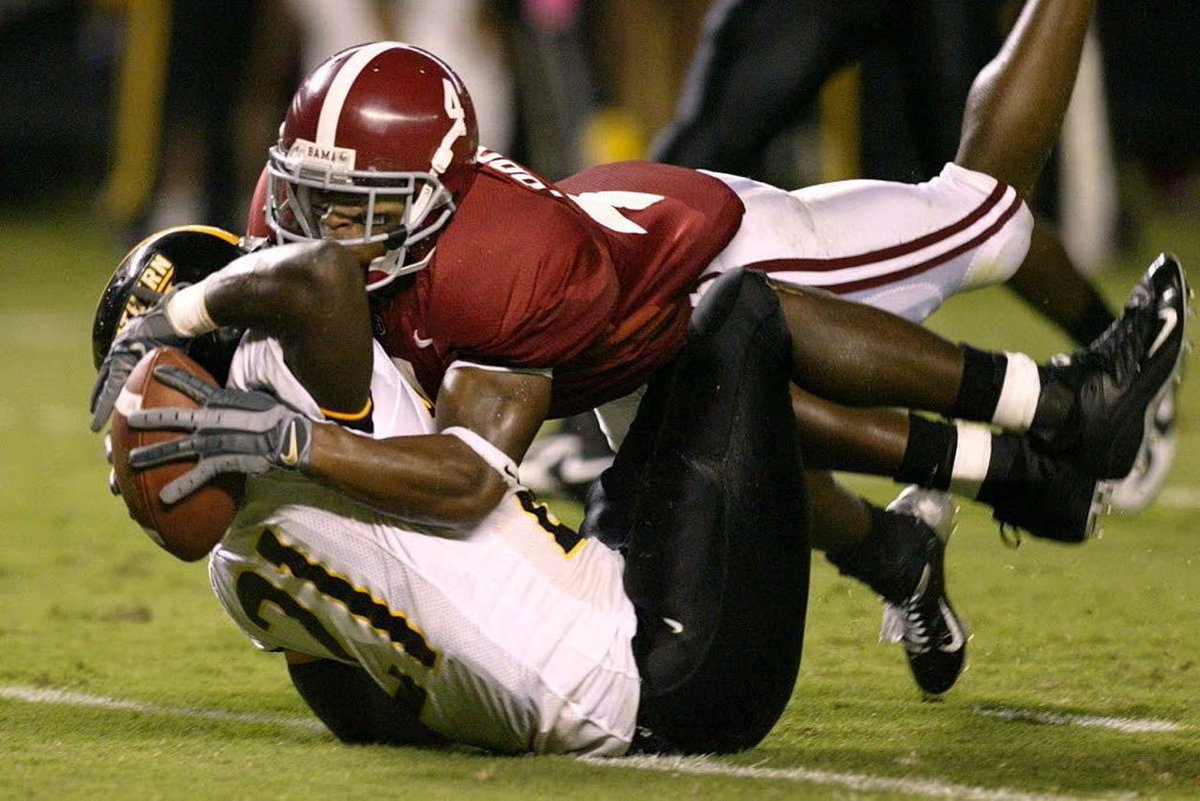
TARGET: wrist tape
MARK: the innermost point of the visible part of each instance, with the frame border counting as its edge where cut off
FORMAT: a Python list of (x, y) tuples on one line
[(188, 313)]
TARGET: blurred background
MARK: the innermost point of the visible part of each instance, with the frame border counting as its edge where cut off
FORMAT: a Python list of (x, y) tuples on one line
[(142, 113)]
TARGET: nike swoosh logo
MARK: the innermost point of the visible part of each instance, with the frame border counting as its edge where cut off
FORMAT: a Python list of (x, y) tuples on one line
[(421, 341), (1170, 319), (292, 455), (674, 625), (956, 634), (923, 584)]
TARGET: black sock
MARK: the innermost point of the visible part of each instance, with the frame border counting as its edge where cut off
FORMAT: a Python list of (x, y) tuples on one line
[(982, 381), (929, 454), (889, 559)]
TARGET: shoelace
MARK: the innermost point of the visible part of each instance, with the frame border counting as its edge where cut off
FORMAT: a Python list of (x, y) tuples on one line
[(1118, 350), (904, 623), (916, 638)]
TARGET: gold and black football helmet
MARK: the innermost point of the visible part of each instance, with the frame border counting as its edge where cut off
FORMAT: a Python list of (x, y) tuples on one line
[(174, 256)]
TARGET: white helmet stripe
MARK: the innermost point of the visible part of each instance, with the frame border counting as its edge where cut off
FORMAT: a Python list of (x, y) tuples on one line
[(339, 89)]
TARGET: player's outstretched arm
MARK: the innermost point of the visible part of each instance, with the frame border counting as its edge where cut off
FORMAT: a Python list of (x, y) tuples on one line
[(1016, 105), (312, 299)]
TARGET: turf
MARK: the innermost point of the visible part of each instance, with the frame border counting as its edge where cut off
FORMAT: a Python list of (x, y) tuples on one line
[(93, 608)]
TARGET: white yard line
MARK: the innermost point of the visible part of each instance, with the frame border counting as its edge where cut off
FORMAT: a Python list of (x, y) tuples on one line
[(35, 695), (925, 788), (697, 766), (1126, 725)]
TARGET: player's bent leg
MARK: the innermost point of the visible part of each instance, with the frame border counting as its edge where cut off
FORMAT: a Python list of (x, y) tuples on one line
[(1053, 286), (957, 231), (354, 707), (718, 556)]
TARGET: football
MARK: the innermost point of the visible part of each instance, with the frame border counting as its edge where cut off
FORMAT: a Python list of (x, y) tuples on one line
[(188, 529)]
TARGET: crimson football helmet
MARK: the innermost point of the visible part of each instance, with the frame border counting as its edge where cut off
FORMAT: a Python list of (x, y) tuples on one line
[(379, 121)]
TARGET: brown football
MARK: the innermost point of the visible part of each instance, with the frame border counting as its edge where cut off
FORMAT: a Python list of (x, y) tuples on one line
[(191, 528)]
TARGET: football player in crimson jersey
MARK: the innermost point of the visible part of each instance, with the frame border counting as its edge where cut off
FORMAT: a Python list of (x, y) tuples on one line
[(512, 299)]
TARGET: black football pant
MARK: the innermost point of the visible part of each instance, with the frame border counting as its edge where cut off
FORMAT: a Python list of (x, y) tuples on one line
[(706, 498)]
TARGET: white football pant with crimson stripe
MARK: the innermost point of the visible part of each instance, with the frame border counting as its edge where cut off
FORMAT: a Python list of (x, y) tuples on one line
[(900, 247)]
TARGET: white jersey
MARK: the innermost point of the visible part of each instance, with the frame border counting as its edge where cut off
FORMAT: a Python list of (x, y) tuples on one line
[(516, 637)]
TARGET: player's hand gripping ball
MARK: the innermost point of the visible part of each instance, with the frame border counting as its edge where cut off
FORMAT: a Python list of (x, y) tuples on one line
[(190, 528)]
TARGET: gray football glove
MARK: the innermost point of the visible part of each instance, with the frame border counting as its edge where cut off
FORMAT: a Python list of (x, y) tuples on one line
[(142, 334), (233, 431)]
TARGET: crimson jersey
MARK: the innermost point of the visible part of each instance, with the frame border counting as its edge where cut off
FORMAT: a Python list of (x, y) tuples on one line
[(589, 277)]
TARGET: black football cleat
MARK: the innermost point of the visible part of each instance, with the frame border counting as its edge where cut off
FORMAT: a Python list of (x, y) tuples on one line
[(1153, 465), (1103, 398), (934, 637), (1056, 502)]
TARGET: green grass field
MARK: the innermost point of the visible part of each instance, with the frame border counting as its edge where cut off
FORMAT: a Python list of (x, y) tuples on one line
[(121, 678)]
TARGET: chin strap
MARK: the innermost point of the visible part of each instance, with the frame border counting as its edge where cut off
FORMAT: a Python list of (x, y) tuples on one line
[(396, 239)]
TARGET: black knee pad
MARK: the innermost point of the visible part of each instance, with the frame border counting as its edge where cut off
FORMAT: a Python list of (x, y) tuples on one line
[(741, 303)]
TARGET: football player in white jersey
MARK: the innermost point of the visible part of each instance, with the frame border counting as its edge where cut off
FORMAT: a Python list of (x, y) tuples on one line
[(514, 633)]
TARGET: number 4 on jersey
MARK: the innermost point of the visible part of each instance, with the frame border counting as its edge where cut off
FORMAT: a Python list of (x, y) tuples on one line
[(604, 208)]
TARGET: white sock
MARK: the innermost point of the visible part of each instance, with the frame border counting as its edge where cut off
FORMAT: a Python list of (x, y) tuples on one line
[(972, 456), (1019, 394)]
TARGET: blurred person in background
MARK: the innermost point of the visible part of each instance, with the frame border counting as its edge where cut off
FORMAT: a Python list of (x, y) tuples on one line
[(1153, 80), (470, 34), (204, 158)]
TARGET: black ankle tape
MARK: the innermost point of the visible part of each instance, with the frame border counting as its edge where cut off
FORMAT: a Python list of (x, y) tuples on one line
[(929, 454), (982, 381), (1007, 467)]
